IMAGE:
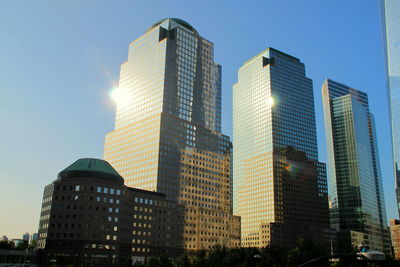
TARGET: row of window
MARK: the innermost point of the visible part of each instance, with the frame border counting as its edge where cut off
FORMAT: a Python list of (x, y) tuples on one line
[(106, 190), (107, 200)]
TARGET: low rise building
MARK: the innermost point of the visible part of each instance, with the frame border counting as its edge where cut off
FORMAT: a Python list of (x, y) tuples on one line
[(395, 234), (89, 217), (17, 241)]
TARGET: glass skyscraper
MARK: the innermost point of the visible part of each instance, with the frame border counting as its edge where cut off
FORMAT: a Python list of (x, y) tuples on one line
[(391, 28), (167, 130), (358, 210), (280, 188)]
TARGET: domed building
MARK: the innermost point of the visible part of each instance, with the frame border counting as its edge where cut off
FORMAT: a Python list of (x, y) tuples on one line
[(89, 217)]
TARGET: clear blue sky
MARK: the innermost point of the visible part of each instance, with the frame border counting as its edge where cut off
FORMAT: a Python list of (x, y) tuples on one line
[(59, 60)]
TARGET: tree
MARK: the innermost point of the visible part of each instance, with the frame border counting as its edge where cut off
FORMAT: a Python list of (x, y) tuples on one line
[(6, 245), (165, 262), (304, 251), (153, 262), (183, 261), (23, 245), (274, 256)]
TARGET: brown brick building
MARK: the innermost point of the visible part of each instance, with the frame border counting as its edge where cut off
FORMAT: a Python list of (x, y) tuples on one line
[(89, 217), (395, 233)]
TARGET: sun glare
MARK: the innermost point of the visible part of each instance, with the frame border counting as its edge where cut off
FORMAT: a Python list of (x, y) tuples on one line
[(119, 96), (271, 101)]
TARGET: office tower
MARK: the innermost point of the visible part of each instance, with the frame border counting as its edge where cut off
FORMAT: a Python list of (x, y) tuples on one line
[(358, 209), (33, 239), (25, 237), (280, 188), (90, 218), (391, 29), (167, 130)]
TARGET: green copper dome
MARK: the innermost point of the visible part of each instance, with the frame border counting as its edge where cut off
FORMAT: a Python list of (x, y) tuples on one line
[(91, 168), (179, 21)]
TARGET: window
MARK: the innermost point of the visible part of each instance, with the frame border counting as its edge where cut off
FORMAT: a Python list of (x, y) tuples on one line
[(112, 191), (105, 190), (77, 187), (98, 189)]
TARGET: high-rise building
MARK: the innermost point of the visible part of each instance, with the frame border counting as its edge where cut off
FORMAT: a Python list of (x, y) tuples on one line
[(391, 29), (280, 188), (33, 239), (358, 208), (25, 237), (167, 130)]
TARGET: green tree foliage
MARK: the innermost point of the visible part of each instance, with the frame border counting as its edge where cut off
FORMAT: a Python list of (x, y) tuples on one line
[(271, 256), (10, 245), (305, 251), (165, 262), (153, 262), (183, 261), (24, 245), (6, 245)]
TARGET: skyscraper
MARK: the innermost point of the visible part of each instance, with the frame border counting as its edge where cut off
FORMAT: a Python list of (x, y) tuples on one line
[(280, 188), (25, 237), (391, 28), (167, 130), (358, 209)]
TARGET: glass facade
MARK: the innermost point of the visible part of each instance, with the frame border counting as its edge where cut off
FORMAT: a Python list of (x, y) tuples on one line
[(280, 188), (357, 200), (167, 134), (391, 22)]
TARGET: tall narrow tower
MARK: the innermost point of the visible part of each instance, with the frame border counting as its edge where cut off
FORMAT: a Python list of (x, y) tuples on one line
[(280, 188), (391, 29), (358, 206), (167, 130)]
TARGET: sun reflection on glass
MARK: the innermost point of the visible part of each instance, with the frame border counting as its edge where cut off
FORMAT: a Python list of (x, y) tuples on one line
[(120, 96)]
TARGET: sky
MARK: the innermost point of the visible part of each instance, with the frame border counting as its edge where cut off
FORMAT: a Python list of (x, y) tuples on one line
[(59, 61)]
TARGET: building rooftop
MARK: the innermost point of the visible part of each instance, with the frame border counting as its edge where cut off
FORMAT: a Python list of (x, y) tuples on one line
[(146, 192), (179, 21), (91, 168)]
